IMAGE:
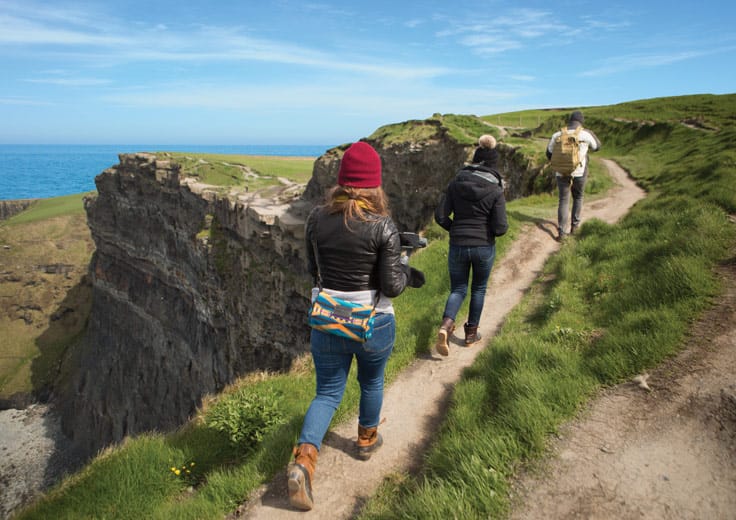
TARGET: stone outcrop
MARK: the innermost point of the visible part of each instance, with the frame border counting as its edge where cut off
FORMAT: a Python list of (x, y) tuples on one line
[(8, 208), (195, 285)]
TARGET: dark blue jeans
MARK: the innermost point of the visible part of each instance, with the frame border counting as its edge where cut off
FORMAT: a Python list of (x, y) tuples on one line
[(333, 356), (461, 261)]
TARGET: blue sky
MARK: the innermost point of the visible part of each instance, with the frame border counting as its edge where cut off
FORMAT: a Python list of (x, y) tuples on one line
[(301, 72)]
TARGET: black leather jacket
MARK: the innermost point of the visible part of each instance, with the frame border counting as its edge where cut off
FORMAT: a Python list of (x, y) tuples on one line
[(366, 256)]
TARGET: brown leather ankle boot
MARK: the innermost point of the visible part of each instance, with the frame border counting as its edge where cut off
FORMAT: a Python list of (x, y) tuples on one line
[(369, 440), (471, 334), (301, 474), (443, 335)]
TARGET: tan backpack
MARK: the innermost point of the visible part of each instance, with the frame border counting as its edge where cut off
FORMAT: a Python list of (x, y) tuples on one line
[(566, 151)]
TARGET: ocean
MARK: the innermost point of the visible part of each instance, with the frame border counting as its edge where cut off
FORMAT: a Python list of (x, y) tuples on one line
[(43, 171)]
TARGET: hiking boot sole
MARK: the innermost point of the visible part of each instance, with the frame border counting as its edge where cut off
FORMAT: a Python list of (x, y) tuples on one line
[(443, 349), (300, 489)]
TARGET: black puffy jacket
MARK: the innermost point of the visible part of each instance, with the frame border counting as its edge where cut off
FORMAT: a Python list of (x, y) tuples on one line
[(366, 256), (476, 202)]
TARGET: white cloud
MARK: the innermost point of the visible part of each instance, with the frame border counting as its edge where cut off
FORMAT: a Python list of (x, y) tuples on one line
[(504, 33), (640, 61), (15, 30), (522, 77), (15, 101), (357, 97), (71, 82), (412, 24), (201, 44)]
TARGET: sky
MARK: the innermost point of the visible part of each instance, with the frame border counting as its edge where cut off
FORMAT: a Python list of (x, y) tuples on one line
[(237, 72)]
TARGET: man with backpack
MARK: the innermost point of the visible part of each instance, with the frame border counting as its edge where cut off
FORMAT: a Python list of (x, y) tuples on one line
[(568, 151)]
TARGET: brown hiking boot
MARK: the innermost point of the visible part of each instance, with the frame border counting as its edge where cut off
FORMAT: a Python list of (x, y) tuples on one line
[(369, 440), (300, 474), (471, 334), (443, 335)]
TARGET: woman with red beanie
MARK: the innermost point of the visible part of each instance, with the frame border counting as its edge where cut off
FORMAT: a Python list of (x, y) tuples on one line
[(359, 260)]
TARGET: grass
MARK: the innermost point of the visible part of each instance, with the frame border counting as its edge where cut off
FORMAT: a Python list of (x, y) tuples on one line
[(44, 209), (465, 129), (614, 301), (43, 300), (252, 171)]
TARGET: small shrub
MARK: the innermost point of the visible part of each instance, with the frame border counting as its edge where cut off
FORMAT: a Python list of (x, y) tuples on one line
[(246, 416)]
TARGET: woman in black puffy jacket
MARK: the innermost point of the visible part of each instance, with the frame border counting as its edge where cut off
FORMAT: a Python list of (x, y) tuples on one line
[(359, 257), (473, 210)]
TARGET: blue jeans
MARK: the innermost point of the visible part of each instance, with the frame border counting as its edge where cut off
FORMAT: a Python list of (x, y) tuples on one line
[(460, 261), (333, 356), (565, 186)]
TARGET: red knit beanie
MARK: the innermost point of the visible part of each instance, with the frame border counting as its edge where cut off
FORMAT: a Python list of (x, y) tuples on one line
[(360, 167)]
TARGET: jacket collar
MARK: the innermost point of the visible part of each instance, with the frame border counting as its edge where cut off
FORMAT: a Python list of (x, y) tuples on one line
[(483, 172)]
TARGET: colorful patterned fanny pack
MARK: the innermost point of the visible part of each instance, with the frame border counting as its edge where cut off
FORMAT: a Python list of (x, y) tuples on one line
[(342, 318)]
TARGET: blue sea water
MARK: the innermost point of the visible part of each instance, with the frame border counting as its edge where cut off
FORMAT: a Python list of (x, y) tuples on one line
[(42, 171)]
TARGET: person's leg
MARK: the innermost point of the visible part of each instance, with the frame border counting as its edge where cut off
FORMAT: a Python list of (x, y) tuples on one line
[(578, 190), (563, 206), (332, 359), (372, 358), (332, 364), (482, 260), (458, 263)]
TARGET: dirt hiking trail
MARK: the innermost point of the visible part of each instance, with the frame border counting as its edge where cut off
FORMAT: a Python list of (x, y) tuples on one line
[(667, 452), (415, 402)]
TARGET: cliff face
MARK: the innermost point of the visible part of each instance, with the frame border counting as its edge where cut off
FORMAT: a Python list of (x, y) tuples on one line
[(194, 285), (8, 208), (179, 310)]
